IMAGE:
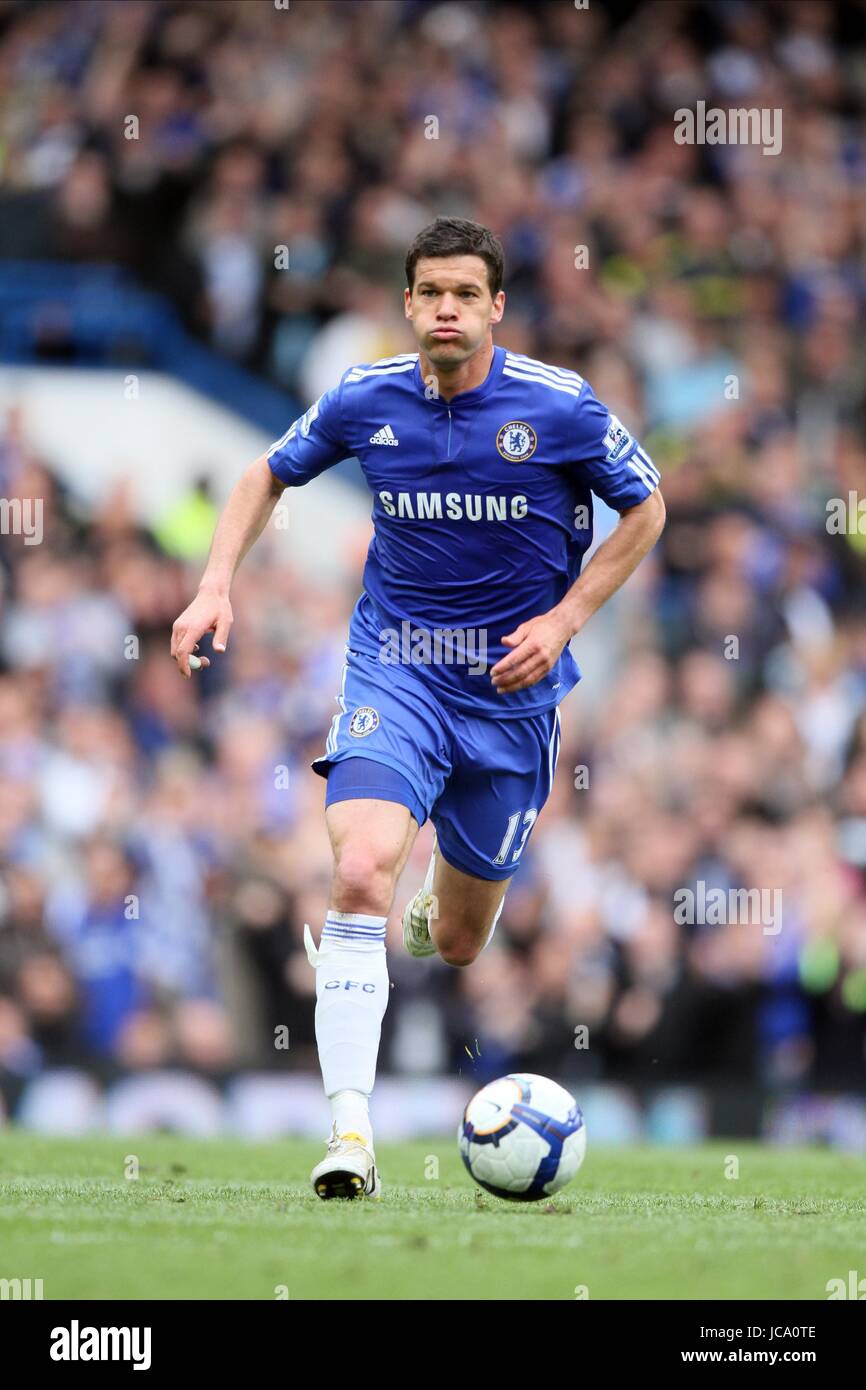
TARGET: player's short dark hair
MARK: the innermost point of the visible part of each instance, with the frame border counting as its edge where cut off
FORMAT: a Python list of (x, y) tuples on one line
[(454, 236)]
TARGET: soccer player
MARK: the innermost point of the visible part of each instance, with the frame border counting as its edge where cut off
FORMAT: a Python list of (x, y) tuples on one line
[(482, 464)]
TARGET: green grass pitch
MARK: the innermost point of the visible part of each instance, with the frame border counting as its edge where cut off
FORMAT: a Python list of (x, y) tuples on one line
[(223, 1219)]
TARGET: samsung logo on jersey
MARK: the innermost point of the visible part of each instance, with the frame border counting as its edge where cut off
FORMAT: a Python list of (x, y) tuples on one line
[(456, 506)]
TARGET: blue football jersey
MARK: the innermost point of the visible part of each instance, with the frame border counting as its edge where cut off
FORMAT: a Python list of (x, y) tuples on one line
[(482, 508)]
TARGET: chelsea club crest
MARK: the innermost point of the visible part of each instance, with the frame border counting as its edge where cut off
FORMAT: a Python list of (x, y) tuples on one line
[(363, 721), (516, 441)]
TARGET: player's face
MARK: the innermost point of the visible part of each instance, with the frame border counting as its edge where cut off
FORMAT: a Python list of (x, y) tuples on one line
[(450, 307)]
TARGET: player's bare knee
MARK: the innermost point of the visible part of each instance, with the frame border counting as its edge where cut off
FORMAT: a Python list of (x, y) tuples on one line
[(459, 949), (364, 878)]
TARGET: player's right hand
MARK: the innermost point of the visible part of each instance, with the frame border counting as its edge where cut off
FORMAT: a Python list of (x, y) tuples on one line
[(208, 612)]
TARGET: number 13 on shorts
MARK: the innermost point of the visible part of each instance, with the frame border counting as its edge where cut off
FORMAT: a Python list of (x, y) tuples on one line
[(527, 818)]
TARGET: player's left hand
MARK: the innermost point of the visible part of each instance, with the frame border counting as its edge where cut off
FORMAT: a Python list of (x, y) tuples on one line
[(537, 646)]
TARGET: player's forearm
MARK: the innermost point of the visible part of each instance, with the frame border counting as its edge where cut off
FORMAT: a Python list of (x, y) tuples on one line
[(244, 517), (634, 536)]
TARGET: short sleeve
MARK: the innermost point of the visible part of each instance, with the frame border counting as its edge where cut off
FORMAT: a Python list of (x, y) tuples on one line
[(313, 443), (609, 459)]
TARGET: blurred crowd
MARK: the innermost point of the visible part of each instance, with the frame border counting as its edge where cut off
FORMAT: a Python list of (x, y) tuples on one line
[(161, 842)]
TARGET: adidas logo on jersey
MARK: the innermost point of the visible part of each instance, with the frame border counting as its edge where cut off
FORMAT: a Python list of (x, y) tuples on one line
[(384, 436)]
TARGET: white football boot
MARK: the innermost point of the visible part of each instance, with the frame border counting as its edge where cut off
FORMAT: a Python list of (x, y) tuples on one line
[(347, 1170), (416, 915)]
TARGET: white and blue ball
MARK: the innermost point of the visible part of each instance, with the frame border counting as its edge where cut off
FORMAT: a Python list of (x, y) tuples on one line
[(522, 1137)]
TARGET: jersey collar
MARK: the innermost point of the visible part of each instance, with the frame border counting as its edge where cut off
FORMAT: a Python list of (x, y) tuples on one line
[(490, 382)]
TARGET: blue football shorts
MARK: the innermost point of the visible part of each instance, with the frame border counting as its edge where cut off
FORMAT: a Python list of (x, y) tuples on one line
[(481, 781)]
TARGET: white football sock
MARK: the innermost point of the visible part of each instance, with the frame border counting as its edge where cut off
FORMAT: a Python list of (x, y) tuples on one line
[(352, 995), (495, 920), (350, 1113), (431, 869)]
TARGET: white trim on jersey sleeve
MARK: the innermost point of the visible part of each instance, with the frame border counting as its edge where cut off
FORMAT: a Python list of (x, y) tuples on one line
[(527, 369), (641, 463), (311, 444), (387, 366)]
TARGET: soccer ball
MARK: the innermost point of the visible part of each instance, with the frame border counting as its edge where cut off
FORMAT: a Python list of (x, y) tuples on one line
[(522, 1137)]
